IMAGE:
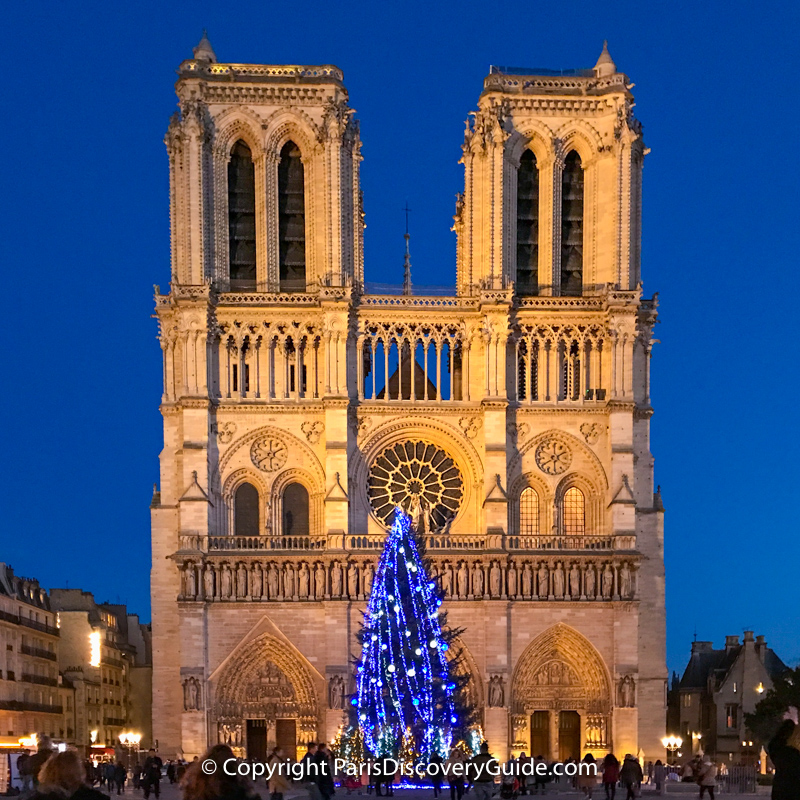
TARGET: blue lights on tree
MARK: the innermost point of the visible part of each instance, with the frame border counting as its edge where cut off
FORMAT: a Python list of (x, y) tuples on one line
[(406, 685)]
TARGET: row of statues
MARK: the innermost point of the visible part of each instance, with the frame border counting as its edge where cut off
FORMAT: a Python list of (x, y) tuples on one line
[(526, 580)]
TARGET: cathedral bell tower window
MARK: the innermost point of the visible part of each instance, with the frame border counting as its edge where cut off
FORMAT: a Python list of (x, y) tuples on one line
[(572, 226), (242, 218), (527, 225), (292, 219)]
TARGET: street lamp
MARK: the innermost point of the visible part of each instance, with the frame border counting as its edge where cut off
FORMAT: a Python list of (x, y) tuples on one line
[(130, 741), (672, 744)]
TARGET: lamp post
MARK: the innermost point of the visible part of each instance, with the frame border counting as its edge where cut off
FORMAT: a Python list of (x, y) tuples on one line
[(130, 741), (672, 744)]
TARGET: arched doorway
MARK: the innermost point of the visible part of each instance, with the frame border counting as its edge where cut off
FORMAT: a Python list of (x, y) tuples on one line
[(561, 696), (265, 696)]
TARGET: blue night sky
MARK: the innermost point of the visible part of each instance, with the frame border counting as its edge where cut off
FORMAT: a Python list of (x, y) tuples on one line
[(88, 91)]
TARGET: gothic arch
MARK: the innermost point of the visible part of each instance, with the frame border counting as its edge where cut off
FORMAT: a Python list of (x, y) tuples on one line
[(536, 137), (592, 461), (515, 489), (316, 497), (290, 124), (244, 663), (469, 667), (578, 135), (585, 683), (235, 124)]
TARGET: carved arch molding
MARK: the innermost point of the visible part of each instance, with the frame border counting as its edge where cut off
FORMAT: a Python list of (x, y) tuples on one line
[(561, 670), (265, 679)]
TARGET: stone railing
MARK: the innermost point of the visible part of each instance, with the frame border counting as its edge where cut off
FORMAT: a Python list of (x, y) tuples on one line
[(463, 577), (264, 70), (38, 652), (560, 542)]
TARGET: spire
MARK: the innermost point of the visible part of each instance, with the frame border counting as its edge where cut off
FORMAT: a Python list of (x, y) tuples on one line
[(204, 51), (605, 65), (407, 259)]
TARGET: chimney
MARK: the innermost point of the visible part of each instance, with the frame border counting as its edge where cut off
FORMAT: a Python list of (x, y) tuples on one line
[(761, 647), (731, 642), (748, 636)]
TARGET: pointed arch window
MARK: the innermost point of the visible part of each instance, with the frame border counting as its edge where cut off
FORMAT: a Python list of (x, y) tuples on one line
[(574, 512), (295, 515), (528, 225), (246, 516), (529, 512), (242, 218), (572, 226), (292, 219)]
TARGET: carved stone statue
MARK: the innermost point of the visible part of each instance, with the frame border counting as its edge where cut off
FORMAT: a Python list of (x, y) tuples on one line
[(336, 579), (289, 589), (511, 578), (208, 582), (625, 581), (608, 582), (462, 579), (369, 576), (225, 592), (256, 582), (319, 581), (272, 581), (447, 579), (590, 580), (574, 581), (496, 692), (191, 694), (303, 580), (627, 690), (189, 590), (336, 692), (558, 581), (527, 580), (352, 579), (418, 511), (542, 579), (477, 579), (241, 581), (494, 579)]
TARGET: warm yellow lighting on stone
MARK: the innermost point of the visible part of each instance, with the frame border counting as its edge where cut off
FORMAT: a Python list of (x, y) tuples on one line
[(94, 643), (760, 688)]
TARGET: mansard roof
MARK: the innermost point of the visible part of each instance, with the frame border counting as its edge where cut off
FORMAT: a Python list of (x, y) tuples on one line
[(23, 590), (706, 663)]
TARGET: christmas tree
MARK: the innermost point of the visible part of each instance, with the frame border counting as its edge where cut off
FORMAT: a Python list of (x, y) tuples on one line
[(409, 692)]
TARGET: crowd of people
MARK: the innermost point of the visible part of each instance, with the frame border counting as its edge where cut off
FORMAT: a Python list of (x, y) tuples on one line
[(51, 775)]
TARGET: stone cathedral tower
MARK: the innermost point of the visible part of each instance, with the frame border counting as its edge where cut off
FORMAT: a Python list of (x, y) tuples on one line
[(511, 419)]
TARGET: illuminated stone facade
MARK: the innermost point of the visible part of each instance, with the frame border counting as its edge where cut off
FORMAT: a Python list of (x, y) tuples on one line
[(511, 418)]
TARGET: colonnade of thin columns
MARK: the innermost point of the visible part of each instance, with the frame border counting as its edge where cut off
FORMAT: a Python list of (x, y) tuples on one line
[(547, 371)]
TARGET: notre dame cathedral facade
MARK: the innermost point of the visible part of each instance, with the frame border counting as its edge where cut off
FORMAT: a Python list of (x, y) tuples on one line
[(511, 418)]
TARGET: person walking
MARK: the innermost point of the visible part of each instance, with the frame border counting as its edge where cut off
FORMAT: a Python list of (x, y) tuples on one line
[(35, 763), (541, 775), (784, 750), (151, 774), (277, 783), (63, 777), (120, 776), (587, 776), (631, 775), (322, 758), (108, 775), (216, 784), (610, 775), (171, 771), (483, 768), (707, 778), (659, 776), (454, 769), (435, 764), (23, 759)]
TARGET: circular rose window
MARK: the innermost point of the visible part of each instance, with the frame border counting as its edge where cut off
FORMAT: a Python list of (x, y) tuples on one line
[(421, 478)]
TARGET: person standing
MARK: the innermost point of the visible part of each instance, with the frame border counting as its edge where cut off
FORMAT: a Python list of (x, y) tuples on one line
[(707, 778), (659, 776), (610, 775), (483, 768), (120, 776), (35, 764), (454, 769), (151, 780), (171, 771), (436, 762), (62, 777), (216, 784), (587, 775), (277, 783), (23, 760), (325, 782), (631, 775)]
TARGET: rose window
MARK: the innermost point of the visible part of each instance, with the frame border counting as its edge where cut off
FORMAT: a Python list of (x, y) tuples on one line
[(421, 478)]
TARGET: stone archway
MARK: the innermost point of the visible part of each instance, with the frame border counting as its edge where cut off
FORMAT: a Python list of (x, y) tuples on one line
[(559, 674), (264, 685)]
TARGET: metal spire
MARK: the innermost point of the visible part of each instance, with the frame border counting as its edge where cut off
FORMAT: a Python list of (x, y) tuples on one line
[(407, 259)]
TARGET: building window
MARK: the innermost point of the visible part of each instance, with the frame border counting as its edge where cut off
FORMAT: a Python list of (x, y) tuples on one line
[(246, 511), (731, 716), (687, 701), (572, 226), (529, 512), (292, 219), (527, 225), (295, 510), (242, 217), (574, 512)]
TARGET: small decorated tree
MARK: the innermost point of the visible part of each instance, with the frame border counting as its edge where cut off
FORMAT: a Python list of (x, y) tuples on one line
[(409, 693)]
